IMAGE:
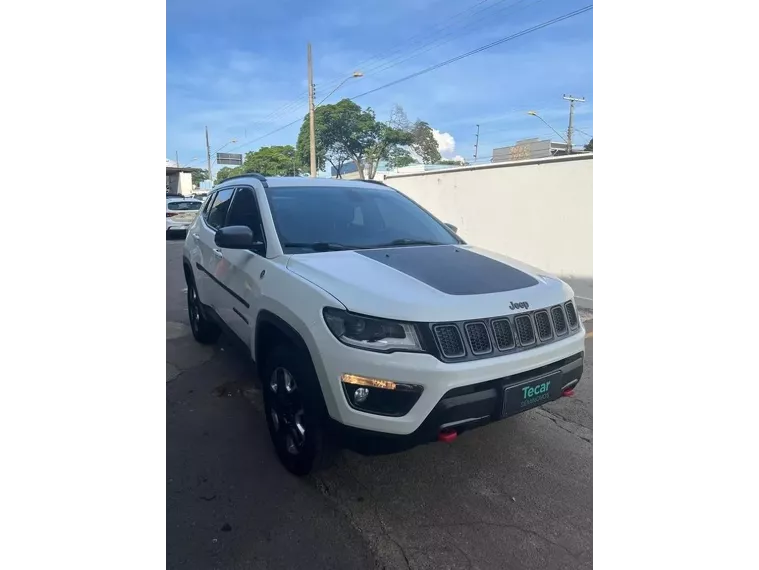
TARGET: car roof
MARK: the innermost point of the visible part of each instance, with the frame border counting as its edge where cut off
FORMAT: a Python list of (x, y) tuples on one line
[(183, 200), (307, 182)]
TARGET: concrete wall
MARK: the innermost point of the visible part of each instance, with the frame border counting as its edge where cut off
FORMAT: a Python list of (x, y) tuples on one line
[(537, 211)]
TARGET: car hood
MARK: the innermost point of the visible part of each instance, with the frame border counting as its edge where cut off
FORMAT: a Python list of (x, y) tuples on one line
[(429, 283)]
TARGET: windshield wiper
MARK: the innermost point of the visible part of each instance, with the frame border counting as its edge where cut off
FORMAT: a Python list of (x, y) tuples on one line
[(323, 246), (407, 241)]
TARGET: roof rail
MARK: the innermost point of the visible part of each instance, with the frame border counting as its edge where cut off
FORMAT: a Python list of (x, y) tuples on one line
[(374, 182), (255, 175)]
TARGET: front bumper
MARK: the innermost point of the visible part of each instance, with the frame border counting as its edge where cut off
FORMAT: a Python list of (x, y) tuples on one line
[(460, 409), (438, 379)]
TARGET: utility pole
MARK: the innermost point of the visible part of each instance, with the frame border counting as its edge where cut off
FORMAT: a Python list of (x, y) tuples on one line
[(312, 126), (570, 128), (476, 143), (208, 155), (177, 156)]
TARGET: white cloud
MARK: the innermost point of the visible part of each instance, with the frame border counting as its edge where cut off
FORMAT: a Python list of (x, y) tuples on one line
[(445, 142), (459, 158)]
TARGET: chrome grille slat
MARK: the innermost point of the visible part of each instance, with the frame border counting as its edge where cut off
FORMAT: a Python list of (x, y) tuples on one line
[(478, 338)]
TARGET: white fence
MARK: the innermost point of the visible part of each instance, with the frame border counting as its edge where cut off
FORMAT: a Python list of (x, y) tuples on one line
[(537, 211)]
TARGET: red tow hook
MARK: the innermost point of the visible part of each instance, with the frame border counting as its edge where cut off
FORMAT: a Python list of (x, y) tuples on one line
[(568, 392), (447, 435)]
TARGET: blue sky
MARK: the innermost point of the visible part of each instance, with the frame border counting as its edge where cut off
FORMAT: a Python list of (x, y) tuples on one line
[(239, 67)]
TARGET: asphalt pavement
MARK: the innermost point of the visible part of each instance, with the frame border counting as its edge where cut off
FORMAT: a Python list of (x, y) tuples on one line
[(514, 494)]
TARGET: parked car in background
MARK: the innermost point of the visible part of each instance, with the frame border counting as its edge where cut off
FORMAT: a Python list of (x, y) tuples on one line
[(180, 213)]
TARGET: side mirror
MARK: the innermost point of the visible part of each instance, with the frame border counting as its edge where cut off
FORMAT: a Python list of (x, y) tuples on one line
[(453, 228), (238, 237)]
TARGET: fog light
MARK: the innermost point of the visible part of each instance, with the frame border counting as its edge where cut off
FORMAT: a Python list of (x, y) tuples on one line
[(388, 398), (360, 395)]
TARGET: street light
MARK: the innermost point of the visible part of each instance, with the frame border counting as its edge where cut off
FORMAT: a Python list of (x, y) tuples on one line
[(535, 114), (355, 75), (312, 107), (226, 144)]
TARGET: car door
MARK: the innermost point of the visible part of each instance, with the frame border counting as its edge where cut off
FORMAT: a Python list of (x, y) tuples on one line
[(243, 269), (209, 266)]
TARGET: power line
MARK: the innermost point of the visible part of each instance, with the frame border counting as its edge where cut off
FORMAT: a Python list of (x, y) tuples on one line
[(478, 50), (441, 40), (428, 32), (303, 98), (442, 64)]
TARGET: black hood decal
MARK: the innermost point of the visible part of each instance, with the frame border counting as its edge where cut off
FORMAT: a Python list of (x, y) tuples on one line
[(452, 270)]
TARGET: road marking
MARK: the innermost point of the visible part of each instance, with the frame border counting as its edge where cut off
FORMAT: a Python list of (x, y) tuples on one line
[(589, 335)]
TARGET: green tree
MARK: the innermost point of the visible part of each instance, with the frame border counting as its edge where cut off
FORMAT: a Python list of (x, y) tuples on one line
[(399, 157), (453, 162), (267, 160), (199, 175), (589, 146), (227, 172), (388, 140), (342, 129), (272, 161), (423, 142), (303, 146)]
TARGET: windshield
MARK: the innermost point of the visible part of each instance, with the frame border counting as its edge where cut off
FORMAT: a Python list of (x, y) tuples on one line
[(184, 205), (344, 217)]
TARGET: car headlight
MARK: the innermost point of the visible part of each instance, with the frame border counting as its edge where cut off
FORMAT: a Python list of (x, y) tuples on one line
[(371, 334)]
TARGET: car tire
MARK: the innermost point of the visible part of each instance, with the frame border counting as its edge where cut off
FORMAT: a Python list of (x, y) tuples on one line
[(295, 412), (204, 330)]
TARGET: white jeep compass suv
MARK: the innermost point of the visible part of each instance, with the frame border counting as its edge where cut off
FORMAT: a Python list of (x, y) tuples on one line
[(372, 324)]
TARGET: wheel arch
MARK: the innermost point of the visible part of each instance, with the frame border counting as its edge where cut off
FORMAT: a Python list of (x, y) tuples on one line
[(187, 266), (271, 330)]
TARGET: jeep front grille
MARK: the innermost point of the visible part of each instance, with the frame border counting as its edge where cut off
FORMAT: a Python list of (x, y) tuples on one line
[(479, 340), (489, 337), (559, 322), (571, 315), (543, 324), (449, 339), (525, 331), (504, 338)]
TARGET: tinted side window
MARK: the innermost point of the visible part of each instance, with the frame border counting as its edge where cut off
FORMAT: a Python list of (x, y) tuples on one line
[(244, 212), (207, 205), (218, 210)]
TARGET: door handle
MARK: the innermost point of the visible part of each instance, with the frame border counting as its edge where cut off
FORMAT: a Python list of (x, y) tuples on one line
[(217, 253), (195, 236)]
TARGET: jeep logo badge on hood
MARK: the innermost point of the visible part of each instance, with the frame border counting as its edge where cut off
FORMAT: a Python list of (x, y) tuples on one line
[(521, 305)]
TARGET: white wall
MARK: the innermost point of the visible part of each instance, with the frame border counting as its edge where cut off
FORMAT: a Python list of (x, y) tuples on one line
[(537, 211)]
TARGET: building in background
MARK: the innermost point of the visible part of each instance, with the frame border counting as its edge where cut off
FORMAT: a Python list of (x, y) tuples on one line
[(532, 148), (178, 180)]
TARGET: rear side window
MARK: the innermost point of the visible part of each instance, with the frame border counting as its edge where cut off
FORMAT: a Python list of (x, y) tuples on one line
[(218, 210), (184, 206)]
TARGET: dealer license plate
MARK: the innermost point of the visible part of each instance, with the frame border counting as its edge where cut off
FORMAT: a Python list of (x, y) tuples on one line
[(519, 398)]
